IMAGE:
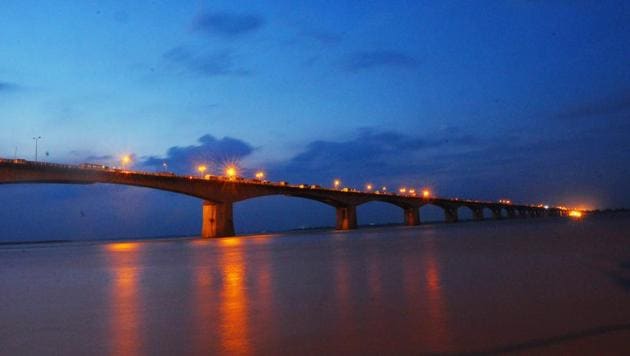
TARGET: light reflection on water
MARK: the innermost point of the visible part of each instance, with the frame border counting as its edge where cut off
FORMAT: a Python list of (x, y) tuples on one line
[(125, 298), (436, 303), (401, 291), (234, 303)]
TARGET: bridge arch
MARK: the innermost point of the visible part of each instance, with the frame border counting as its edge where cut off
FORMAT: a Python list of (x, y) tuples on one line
[(281, 213), (470, 212), (432, 212), (220, 194)]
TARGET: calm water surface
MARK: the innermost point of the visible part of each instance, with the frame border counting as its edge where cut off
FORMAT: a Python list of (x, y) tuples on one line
[(526, 286)]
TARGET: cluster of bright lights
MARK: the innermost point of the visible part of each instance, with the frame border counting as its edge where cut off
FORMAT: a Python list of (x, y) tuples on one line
[(231, 171), (425, 193)]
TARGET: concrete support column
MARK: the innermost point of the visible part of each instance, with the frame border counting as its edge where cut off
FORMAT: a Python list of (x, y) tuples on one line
[(477, 213), (346, 217), (217, 220), (496, 213), (412, 216), (522, 213), (450, 214), (511, 213)]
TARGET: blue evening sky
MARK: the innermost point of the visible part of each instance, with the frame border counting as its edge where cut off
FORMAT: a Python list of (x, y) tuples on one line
[(482, 99)]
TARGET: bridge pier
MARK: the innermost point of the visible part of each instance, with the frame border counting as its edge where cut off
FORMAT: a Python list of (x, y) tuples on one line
[(450, 214), (477, 213), (511, 213), (412, 216), (217, 220), (346, 217), (496, 213)]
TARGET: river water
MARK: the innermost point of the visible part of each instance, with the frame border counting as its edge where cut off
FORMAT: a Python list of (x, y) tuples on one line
[(527, 286)]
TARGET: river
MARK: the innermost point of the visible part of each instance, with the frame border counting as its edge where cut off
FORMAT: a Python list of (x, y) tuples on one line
[(529, 286)]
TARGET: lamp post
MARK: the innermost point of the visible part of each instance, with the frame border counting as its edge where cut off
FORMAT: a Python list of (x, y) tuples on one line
[(126, 159), (36, 139), (202, 168)]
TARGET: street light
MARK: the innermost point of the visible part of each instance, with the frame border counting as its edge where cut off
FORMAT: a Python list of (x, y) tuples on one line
[(202, 168), (230, 171), (165, 166), (126, 159), (426, 193), (336, 183), (36, 139), (260, 175), (368, 187)]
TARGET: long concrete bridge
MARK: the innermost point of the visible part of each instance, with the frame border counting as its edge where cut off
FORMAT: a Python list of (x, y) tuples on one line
[(220, 193)]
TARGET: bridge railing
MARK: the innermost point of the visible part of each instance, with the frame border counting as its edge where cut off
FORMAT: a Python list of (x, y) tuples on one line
[(98, 167)]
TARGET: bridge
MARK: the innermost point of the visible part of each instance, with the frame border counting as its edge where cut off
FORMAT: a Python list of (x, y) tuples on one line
[(220, 193)]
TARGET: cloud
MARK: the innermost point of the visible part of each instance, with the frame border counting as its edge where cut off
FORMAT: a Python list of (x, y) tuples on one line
[(363, 60), (209, 150), (612, 106), (226, 24), (207, 64), (371, 153), (100, 158), (8, 87)]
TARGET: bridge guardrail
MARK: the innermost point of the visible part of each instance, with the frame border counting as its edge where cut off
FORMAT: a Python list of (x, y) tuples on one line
[(94, 167)]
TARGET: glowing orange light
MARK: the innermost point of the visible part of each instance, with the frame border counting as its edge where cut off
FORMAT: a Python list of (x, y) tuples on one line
[(426, 193), (336, 183), (575, 214), (122, 246), (402, 190), (202, 168), (260, 175), (230, 171), (231, 241), (124, 160), (368, 187)]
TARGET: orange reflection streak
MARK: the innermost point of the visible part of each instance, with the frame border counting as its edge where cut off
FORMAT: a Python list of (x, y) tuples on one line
[(122, 246), (233, 327), (125, 301), (435, 298), (342, 292)]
